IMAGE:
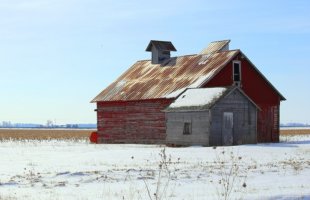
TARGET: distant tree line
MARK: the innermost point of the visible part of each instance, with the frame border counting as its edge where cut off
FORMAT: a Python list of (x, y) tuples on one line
[(294, 124), (49, 124)]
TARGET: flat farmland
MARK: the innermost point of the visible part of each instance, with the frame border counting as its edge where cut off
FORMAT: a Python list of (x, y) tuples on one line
[(44, 134), (295, 131)]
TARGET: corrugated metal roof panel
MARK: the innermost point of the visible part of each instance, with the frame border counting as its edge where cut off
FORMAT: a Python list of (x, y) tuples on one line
[(216, 46), (145, 80)]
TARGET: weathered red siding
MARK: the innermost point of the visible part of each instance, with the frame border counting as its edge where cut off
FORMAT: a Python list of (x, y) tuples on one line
[(132, 121), (256, 87)]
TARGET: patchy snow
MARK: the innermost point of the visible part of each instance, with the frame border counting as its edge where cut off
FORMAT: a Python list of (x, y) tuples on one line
[(58, 169), (204, 59), (198, 83), (198, 97), (203, 79)]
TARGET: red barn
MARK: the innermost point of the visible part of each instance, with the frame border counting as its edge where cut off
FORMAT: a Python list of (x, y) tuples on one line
[(130, 110)]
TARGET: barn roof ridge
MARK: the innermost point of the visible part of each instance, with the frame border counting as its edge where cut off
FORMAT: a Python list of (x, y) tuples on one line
[(187, 55), (269, 83), (173, 57)]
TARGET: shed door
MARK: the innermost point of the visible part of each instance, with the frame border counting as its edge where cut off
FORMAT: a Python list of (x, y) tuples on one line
[(227, 129)]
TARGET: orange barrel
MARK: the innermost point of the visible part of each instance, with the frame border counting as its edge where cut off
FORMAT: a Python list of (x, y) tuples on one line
[(93, 137)]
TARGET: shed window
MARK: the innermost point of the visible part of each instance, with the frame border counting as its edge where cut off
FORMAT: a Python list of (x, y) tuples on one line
[(187, 129), (237, 71)]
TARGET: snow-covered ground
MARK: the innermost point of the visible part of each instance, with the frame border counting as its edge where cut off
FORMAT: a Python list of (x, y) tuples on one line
[(79, 170)]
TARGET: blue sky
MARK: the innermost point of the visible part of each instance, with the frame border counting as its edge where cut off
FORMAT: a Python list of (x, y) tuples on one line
[(56, 55)]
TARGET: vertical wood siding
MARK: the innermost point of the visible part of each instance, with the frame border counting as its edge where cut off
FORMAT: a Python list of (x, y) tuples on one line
[(207, 125), (200, 127), (268, 123), (244, 116)]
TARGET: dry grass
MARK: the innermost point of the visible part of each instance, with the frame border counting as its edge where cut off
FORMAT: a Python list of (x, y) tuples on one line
[(295, 132), (43, 134)]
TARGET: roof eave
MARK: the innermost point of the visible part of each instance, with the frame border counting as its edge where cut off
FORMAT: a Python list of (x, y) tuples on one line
[(185, 110), (282, 98)]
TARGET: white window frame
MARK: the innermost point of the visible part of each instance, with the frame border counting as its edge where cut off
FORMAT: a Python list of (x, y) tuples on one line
[(233, 66)]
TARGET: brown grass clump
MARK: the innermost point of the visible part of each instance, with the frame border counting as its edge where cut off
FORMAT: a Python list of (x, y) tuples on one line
[(295, 132), (43, 134)]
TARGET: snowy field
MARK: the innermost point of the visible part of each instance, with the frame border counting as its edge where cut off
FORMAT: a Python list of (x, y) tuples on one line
[(64, 169)]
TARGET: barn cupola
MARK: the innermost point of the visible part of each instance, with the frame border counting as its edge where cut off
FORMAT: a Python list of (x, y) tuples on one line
[(160, 50)]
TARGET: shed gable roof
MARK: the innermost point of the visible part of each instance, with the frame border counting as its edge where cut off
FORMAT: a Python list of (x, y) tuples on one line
[(198, 99), (145, 80)]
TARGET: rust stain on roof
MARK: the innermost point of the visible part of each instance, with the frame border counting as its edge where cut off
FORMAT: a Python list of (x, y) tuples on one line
[(145, 80)]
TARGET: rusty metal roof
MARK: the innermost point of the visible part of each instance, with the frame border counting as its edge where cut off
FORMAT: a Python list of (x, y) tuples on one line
[(145, 80), (216, 46), (161, 45)]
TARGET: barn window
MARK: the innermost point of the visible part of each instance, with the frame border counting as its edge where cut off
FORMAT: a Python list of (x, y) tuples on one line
[(187, 129), (237, 71)]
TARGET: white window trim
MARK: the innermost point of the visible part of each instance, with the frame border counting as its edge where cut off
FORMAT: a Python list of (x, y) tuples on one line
[(240, 75)]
